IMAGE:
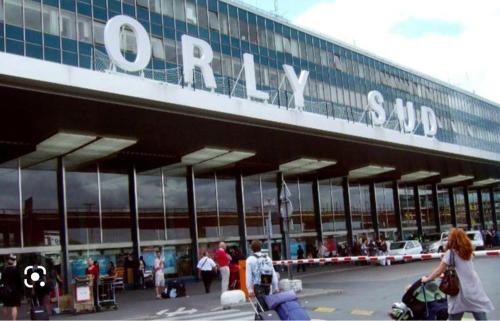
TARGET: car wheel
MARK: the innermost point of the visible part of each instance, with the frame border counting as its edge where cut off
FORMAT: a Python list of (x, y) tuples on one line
[(440, 250)]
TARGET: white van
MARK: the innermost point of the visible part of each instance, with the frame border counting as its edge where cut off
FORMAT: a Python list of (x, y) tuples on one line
[(475, 236)]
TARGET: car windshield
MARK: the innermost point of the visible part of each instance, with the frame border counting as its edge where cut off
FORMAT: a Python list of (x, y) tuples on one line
[(471, 236), (397, 245)]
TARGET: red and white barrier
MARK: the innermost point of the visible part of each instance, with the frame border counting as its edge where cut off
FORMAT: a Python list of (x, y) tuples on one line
[(422, 257)]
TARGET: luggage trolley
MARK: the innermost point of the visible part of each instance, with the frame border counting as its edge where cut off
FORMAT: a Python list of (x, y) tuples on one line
[(106, 294), (83, 295)]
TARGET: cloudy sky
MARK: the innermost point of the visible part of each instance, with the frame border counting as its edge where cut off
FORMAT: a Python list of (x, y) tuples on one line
[(452, 40)]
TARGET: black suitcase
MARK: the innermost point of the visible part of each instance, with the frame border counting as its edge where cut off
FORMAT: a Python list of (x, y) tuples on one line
[(262, 315), (270, 315), (37, 312), (179, 286)]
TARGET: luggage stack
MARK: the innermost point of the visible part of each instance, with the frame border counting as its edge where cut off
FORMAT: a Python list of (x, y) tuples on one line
[(280, 306)]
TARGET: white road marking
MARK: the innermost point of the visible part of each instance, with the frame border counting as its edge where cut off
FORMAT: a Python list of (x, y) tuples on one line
[(217, 315)]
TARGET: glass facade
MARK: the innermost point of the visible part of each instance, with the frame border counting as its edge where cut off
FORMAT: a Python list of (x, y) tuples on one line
[(71, 32), (444, 208), (98, 199), (385, 206), (332, 206), (458, 194)]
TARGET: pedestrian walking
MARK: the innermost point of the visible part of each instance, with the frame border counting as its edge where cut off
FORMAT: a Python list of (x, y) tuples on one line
[(158, 267), (206, 270), (261, 278), (223, 259), (471, 297), (300, 256), (11, 289), (142, 271)]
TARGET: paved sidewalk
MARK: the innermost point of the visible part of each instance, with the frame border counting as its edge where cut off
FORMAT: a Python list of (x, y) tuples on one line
[(142, 305)]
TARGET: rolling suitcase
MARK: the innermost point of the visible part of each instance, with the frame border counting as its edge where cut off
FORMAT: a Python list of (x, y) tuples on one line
[(262, 315), (37, 312)]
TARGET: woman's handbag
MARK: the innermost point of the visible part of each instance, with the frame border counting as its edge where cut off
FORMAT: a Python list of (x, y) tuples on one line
[(450, 283)]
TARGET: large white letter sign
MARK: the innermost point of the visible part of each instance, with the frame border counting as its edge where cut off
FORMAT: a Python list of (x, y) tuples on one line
[(112, 37), (429, 121), (403, 113), (203, 62), (251, 84), (297, 84), (375, 101)]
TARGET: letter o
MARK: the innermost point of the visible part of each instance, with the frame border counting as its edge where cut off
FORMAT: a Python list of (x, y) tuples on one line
[(112, 43)]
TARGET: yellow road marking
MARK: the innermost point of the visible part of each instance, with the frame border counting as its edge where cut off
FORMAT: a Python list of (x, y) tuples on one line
[(325, 310), (362, 312)]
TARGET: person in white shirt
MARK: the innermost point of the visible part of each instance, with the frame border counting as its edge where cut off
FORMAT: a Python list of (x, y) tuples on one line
[(206, 270), (260, 274), (159, 275)]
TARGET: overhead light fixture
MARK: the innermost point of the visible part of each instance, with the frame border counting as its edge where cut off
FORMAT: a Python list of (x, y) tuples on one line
[(304, 165), (455, 179), (202, 155), (416, 176), (368, 171), (101, 148), (223, 160), (485, 182), (212, 158), (54, 146)]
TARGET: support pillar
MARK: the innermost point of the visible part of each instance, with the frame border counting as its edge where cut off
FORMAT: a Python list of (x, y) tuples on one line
[(452, 207), (435, 207), (418, 210), (63, 222), (493, 209), (481, 209), (240, 204), (347, 210), (467, 208), (397, 210), (317, 210), (193, 227), (373, 209), (284, 223), (134, 213)]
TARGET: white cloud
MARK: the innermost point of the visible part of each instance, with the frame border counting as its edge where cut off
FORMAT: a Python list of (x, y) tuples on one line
[(470, 60)]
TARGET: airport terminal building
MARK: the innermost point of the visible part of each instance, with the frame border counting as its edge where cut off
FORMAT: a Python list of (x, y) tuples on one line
[(136, 125)]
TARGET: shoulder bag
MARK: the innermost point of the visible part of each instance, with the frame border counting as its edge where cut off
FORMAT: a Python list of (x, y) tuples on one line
[(450, 283)]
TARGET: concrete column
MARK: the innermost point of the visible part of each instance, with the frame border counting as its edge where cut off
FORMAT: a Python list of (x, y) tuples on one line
[(193, 227), (467, 208), (63, 222), (317, 210), (134, 213), (373, 209), (435, 206), (240, 204), (481, 209), (347, 210), (397, 209), (452, 207), (493, 209), (284, 223), (418, 210)]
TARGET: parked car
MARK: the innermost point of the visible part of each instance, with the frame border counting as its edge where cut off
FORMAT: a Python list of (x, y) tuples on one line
[(475, 236), (405, 248)]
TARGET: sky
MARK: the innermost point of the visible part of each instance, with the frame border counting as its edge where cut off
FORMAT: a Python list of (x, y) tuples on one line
[(452, 40)]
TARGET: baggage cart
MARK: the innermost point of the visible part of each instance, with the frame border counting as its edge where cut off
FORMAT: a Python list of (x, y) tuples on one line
[(106, 294)]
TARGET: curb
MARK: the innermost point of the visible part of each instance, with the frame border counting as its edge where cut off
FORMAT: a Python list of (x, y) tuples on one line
[(300, 295)]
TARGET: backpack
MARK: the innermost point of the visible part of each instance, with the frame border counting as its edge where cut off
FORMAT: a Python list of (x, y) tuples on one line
[(265, 269)]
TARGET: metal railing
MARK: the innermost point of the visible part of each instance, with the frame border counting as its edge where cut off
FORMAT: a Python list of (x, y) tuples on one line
[(280, 98)]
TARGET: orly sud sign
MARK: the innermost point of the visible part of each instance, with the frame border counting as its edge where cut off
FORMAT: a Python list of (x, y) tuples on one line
[(406, 113)]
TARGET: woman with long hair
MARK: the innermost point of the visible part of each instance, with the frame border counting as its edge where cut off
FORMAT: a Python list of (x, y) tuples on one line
[(471, 297)]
